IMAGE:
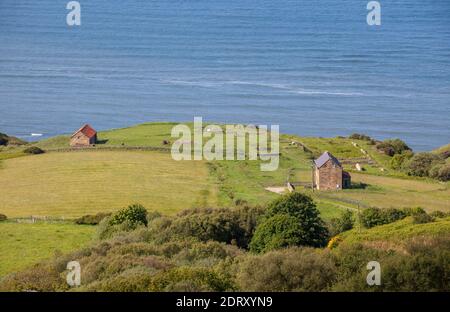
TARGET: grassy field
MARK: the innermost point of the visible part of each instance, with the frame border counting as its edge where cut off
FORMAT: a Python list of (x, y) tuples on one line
[(55, 183), (76, 183), (147, 134), (23, 244), (243, 180)]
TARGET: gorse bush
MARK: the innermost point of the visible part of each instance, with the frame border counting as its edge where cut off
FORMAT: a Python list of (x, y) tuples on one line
[(92, 219), (343, 223), (135, 214), (291, 220), (142, 260), (293, 269), (34, 150), (232, 226), (392, 147), (444, 172), (371, 217), (358, 136), (420, 164), (421, 218), (125, 220), (439, 214), (398, 160)]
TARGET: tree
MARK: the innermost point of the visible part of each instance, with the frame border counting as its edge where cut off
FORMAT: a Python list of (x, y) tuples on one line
[(291, 220)]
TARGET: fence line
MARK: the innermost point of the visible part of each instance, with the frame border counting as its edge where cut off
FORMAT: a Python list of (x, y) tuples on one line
[(109, 148)]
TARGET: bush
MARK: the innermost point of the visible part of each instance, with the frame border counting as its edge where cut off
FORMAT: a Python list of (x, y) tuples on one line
[(444, 154), (440, 171), (421, 218), (189, 279), (420, 164), (292, 219), (444, 173), (3, 139), (422, 266), (134, 214), (341, 224), (3, 217), (293, 269), (439, 214), (33, 150), (413, 211), (434, 171), (92, 219), (357, 136), (393, 146), (223, 225), (398, 160), (371, 217)]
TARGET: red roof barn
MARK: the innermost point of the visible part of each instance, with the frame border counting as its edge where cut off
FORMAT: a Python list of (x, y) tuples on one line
[(85, 136)]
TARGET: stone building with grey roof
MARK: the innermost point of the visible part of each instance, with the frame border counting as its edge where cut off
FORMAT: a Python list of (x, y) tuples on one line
[(328, 173)]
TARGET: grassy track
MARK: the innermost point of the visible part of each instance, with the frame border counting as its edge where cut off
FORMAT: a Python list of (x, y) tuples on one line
[(78, 183), (23, 244)]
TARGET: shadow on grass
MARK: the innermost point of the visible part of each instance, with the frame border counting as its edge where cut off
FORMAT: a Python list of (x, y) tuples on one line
[(358, 186)]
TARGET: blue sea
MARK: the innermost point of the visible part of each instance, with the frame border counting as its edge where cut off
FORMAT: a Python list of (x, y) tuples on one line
[(313, 67)]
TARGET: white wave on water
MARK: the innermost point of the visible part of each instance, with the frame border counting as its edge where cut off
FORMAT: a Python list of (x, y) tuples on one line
[(276, 86), (36, 134)]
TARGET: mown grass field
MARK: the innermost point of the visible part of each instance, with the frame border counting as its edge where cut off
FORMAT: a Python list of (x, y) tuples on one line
[(77, 183), (23, 244)]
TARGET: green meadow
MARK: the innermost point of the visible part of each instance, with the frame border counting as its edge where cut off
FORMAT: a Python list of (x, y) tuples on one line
[(69, 183), (72, 184), (23, 244)]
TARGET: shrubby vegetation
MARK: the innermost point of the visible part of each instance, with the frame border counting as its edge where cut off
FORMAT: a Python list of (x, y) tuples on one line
[(207, 250), (371, 217), (33, 150), (440, 171), (3, 217), (420, 164), (9, 140), (92, 219), (343, 223), (358, 136), (392, 147), (398, 160)]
